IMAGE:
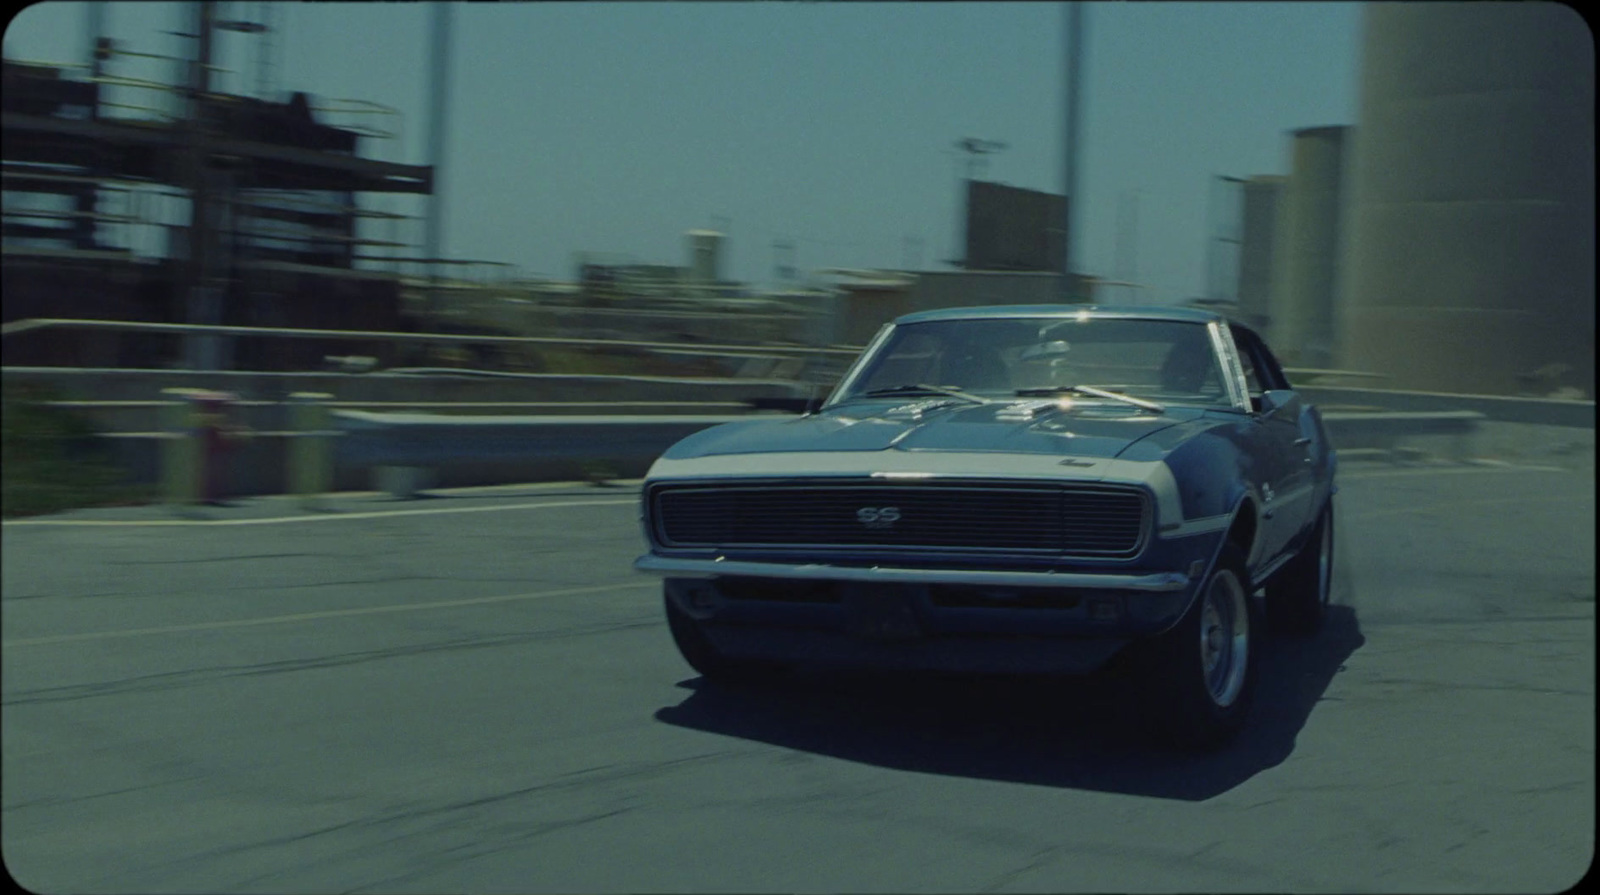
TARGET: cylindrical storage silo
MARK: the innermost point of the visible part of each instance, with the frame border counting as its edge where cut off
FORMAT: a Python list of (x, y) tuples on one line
[(1469, 264), (705, 256), (1262, 198), (1306, 248)]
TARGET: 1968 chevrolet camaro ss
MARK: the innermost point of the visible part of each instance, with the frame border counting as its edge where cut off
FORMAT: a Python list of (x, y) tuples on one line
[(1027, 489)]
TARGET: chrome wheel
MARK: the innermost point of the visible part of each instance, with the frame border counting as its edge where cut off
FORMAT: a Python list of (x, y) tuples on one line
[(1202, 670), (1224, 638)]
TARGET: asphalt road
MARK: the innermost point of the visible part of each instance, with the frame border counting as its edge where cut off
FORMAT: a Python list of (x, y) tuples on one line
[(474, 693)]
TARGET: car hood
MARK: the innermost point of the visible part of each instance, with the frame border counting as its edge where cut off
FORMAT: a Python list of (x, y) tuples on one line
[(1027, 427)]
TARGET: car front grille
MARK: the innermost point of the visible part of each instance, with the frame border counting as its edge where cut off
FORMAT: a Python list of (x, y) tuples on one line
[(1085, 520)]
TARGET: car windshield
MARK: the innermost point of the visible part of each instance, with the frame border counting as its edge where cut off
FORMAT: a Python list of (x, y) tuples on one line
[(1160, 360)]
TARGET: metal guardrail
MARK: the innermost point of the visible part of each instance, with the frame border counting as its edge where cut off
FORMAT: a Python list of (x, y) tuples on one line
[(33, 324)]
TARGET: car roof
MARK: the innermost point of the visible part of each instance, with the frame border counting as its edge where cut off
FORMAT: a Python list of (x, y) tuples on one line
[(1001, 312)]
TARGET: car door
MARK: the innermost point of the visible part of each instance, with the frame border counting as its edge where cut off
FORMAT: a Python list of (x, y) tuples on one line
[(1283, 435)]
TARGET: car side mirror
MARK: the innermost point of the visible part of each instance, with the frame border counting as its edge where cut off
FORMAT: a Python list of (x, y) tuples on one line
[(1273, 401)]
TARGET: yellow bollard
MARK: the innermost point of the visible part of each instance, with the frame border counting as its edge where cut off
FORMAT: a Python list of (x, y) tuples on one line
[(180, 455), (311, 450)]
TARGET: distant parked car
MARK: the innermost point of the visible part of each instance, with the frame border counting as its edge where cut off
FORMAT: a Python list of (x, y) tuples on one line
[(1012, 489)]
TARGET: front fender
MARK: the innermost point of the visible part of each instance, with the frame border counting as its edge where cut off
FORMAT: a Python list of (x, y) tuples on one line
[(1212, 474), (1205, 549)]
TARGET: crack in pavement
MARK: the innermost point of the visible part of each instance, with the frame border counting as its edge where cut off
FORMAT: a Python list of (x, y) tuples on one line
[(1037, 860), (184, 562), (451, 815), (480, 850), (1445, 685), (170, 680), (50, 801)]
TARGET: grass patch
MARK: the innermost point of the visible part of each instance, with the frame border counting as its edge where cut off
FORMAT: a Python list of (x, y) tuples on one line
[(51, 460)]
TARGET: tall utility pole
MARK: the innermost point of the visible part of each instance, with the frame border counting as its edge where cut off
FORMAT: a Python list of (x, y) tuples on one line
[(1072, 135), (433, 238), (95, 20), (87, 201), (201, 288), (264, 51), (1126, 264)]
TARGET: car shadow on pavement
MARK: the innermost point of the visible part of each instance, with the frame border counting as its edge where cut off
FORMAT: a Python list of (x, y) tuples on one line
[(1080, 733)]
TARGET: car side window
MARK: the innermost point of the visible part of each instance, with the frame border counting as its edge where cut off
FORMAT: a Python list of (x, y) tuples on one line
[(1271, 370), (1261, 371), (1247, 360)]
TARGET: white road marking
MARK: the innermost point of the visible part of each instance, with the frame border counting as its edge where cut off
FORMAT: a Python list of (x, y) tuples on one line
[(330, 613), (325, 517)]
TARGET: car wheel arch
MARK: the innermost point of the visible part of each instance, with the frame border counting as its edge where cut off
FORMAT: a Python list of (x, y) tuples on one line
[(1242, 532)]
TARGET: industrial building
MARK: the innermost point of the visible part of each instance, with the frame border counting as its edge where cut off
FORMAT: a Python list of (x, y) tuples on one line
[(1305, 248), (1009, 228), (1261, 199), (1446, 241), (198, 207), (1468, 263), (204, 207)]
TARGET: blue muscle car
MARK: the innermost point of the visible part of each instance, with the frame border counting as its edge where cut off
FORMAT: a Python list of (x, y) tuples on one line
[(1012, 489)]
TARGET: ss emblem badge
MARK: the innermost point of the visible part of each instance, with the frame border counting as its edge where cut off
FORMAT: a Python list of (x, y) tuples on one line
[(878, 517)]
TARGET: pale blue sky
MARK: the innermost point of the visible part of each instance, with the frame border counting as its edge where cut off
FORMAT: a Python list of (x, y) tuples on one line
[(615, 127)]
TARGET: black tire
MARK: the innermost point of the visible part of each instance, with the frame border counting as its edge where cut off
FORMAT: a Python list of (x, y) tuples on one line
[(1298, 596), (1199, 681), (704, 658)]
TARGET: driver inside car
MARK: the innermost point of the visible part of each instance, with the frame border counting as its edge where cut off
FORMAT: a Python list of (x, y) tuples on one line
[(1189, 367), (975, 368)]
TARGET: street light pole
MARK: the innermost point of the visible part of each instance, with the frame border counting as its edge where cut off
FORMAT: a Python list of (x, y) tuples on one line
[(433, 238), (202, 293), (96, 22), (1072, 135)]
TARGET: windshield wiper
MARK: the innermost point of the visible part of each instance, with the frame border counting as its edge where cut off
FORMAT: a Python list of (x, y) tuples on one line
[(1090, 390), (924, 389)]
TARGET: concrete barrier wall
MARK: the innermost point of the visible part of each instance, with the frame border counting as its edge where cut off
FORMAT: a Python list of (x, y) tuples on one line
[(623, 443), (259, 465), (129, 400), (457, 452), (502, 450), (1534, 411), (131, 385)]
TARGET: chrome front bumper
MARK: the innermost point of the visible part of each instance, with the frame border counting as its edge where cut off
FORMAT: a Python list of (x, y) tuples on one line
[(712, 568)]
